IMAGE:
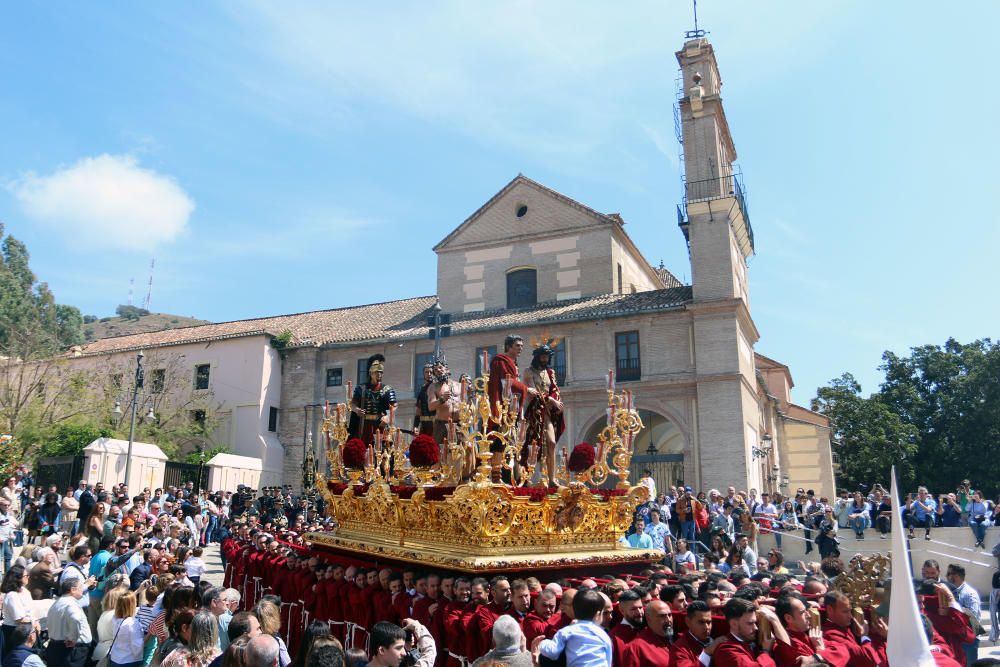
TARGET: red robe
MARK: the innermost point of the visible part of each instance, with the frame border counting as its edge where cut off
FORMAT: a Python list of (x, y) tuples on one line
[(621, 635), (456, 624), (556, 623), (381, 605), (503, 367), (843, 649), (685, 650), (420, 612), (786, 655), (401, 607), (480, 637), (534, 625), (734, 653), (954, 628), (646, 650)]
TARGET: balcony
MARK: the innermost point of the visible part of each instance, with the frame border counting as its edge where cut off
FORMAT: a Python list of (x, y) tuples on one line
[(628, 370), (729, 185)]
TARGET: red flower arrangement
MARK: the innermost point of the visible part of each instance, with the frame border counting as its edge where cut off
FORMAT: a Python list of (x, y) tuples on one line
[(582, 457), (424, 452), (355, 454)]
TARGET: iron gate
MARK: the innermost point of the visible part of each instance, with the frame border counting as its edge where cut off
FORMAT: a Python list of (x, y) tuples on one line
[(178, 474), (63, 471), (668, 469)]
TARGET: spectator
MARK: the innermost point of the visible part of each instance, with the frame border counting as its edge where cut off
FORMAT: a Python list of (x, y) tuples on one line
[(106, 623), (142, 571), (213, 601), (859, 515), (684, 559), (16, 601), (326, 653), (979, 517), (96, 595), (42, 576), (921, 511), (788, 520), (826, 535), (244, 626), (263, 651), (127, 643), (194, 566), (201, 645), (77, 569), (69, 631), (949, 512), (314, 631), (22, 653), (94, 529), (269, 615), (883, 516), (8, 524), (968, 598), (508, 640), (584, 643), (638, 539), (658, 532)]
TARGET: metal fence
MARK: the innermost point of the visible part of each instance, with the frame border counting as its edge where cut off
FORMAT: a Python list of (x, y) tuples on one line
[(177, 474), (63, 471)]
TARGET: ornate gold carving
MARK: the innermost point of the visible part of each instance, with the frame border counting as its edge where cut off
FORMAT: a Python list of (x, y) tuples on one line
[(861, 578)]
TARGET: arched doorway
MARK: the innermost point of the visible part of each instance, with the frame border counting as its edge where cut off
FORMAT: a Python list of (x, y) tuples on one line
[(659, 447)]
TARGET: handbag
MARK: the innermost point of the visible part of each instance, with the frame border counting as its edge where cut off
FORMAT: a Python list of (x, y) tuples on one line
[(106, 660)]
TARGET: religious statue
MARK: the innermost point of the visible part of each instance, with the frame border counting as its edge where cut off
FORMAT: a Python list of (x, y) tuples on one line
[(444, 400), (503, 370), (371, 403), (423, 420), (544, 411)]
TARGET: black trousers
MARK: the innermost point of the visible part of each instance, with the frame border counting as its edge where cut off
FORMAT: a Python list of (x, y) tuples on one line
[(57, 654)]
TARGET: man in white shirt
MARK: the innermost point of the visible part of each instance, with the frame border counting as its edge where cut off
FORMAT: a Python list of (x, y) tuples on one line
[(8, 524), (69, 631), (77, 568)]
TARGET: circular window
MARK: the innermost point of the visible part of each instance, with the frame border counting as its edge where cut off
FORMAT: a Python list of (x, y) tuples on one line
[(522, 210)]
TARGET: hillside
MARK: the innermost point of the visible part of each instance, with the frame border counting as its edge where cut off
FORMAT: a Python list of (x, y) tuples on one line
[(106, 327)]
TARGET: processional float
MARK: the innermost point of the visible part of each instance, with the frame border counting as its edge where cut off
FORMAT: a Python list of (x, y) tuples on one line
[(397, 501)]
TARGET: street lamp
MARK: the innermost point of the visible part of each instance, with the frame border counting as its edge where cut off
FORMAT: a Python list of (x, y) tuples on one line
[(139, 376)]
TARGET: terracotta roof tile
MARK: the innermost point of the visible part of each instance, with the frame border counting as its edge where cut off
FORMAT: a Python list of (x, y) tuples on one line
[(399, 320)]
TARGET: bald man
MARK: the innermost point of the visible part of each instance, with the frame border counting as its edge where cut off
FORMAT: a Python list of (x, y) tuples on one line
[(651, 647)]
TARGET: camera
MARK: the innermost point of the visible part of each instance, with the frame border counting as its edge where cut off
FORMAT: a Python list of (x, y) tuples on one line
[(979, 518)]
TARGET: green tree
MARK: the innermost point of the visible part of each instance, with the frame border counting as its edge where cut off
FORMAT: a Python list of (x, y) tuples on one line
[(936, 416), (870, 437)]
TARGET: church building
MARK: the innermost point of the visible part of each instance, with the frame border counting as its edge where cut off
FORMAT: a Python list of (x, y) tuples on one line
[(532, 260)]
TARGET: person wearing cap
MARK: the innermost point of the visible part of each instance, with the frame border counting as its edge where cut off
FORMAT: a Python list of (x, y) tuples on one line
[(544, 411), (371, 403)]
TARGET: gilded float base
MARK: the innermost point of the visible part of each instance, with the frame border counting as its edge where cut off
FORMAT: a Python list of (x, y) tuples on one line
[(613, 559)]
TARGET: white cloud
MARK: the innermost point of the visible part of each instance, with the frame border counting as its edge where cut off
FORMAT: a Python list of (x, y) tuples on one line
[(107, 200)]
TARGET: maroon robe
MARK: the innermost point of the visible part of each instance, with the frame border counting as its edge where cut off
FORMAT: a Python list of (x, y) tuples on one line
[(685, 650), (734, 653), (843, 648), (646, 650), (480, 637), (621, 635)]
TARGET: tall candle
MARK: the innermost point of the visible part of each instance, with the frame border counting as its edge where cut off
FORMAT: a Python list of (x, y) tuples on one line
[(516, 405), (378, 439), (392, 414), (348, 389), (611, 380), (628, 400), (326, 409), (464, 389), (399, 437), (451, 431), (486, 361)]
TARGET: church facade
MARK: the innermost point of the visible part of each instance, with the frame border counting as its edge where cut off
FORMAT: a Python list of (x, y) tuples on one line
[(533, 261)]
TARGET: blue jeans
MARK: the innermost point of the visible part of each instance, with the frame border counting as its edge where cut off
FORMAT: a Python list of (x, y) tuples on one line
[(8, 554), (689, 531), (859, 524), (979, 530)]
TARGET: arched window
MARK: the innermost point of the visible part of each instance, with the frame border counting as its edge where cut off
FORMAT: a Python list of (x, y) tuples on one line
[(522, 288)]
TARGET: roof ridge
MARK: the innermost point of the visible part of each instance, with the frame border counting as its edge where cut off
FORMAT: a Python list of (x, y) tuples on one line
[(259, 319)]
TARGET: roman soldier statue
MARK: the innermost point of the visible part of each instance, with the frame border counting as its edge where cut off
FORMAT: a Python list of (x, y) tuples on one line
[(371, 402), (544, 412), (423, 420)]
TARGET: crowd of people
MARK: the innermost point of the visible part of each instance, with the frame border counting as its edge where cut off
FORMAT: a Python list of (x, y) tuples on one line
[(116, 580)]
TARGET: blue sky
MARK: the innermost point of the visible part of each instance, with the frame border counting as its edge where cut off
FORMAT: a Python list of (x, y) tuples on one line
[(265, 153)]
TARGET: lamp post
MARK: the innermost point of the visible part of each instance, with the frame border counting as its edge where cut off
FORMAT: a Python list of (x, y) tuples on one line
[(139, 377), (201, 468)]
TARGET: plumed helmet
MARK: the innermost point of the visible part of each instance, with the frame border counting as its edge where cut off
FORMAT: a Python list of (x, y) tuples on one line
[(376, 362)]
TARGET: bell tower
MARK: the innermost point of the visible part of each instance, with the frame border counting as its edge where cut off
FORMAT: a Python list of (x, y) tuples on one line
[(714, 215), (714, 220)]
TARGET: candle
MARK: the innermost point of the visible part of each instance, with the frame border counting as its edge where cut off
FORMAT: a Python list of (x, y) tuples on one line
[(378, 440), (516, 407), (399, 437), (451, 430), (486, 361), (522, 431), (628, 400), (464, 389), (348, 388), (326, 409), (392, 414), (611, 380), (371, 456)]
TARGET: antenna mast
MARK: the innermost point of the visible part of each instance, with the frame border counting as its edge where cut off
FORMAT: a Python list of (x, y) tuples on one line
[(149, 289), (697, 32)]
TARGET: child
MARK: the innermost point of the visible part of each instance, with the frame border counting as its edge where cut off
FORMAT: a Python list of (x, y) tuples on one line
[(194, 566), (146, 612), (585, 643)]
